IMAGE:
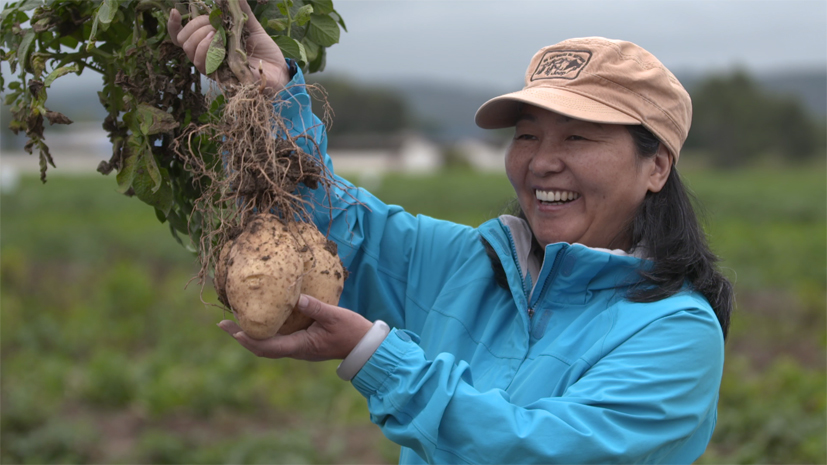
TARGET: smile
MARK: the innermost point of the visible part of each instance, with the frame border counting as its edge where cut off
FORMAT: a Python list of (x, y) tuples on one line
[(556, 197)]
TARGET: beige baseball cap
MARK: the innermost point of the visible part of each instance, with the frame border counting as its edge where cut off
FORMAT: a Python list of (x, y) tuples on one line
[(603, 81)]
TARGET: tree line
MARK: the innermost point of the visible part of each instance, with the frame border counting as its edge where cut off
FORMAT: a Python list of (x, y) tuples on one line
[(736, 120)]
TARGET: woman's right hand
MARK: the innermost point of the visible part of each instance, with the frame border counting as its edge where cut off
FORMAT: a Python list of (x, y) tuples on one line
[(196, 36)]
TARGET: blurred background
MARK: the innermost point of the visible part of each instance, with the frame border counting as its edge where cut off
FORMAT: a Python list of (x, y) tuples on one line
[(108, 354)]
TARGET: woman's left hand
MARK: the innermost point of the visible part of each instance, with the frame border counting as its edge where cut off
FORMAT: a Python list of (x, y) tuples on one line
[(333, 334)]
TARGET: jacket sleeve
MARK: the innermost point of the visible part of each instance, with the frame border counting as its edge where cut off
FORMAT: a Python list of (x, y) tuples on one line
[(375, 241), (635, 405)]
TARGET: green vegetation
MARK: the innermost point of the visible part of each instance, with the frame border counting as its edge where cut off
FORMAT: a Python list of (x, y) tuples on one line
[(737, 122), (106, 360)]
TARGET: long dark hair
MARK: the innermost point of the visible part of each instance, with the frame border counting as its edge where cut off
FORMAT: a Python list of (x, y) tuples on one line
[(667, 227)]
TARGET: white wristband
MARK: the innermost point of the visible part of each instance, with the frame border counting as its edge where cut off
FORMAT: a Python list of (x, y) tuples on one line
[(364, 349)]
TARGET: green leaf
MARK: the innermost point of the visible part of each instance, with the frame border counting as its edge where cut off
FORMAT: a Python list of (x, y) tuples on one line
[(322, 7), (154, 121), (152, 170), (59, 72), (311, 48), (107, 11), (303, 15), (323, 30), (335, 15), (11, 97), (175, 235), (318, 64), (132, 153), (277, 24), (160, 215), (291, 48), (30, 5), (68, 41), (217, 51), (177, 222), (216, 19), (141, 173), (159, 197), (283, 9), (25, 48)]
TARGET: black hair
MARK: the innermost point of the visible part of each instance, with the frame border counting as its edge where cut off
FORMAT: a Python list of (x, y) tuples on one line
[(667, 227)]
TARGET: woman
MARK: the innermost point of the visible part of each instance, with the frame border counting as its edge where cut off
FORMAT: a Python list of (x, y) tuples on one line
[(589, 328)]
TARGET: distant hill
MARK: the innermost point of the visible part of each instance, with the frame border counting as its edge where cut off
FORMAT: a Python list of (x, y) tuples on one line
[(447, 112), (809, 86), (443, 111)]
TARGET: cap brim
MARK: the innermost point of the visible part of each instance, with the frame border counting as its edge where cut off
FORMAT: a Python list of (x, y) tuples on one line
[(503, 111)]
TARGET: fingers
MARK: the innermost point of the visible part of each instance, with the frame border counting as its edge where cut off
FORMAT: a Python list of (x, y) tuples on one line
[(194, 42), (199, 58), (315, 309), (174, 26), (252, 23), (274, 347), (230, 327)]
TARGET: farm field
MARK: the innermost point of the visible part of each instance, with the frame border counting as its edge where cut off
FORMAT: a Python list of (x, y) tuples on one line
[(108, 356)]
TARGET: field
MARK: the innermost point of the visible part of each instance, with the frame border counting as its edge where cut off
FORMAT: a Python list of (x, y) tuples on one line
[(108, 356)]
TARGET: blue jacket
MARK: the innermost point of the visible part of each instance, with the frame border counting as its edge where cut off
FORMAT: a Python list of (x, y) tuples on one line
[(468, 376)]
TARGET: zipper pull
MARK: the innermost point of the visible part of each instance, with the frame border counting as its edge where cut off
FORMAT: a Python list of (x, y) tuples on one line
[(530, 312)]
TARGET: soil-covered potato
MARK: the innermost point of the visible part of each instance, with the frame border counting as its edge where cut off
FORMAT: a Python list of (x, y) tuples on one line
[(220, 282), (263, 276), (261, 273), (324, 275)]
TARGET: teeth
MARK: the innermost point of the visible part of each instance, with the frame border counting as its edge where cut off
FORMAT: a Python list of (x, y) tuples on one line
[(556, 196)]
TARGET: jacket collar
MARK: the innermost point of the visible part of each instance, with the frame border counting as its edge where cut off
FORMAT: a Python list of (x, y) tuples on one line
[(567, 269)]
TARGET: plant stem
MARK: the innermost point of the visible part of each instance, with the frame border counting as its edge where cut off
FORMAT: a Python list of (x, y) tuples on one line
[(100, 54), (289, 18), (236, 56), (147, 4)]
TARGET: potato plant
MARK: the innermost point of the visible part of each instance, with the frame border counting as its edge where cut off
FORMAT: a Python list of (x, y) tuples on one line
[(212, 168)]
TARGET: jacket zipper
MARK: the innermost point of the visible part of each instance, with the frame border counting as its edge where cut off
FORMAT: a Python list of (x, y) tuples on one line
[(519, 270), (551, 275)]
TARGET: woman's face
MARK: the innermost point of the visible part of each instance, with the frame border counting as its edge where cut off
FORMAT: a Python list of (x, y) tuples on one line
[(578, 181)]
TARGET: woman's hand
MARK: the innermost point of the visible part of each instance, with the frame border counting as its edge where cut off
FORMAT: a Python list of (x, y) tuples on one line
[(333, 334), (196, 36)]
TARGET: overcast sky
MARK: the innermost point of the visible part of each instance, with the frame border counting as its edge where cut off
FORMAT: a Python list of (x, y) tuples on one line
[(489, 43)]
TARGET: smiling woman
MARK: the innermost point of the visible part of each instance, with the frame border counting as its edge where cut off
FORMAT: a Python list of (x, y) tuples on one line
[(578, 181), (590, 339)]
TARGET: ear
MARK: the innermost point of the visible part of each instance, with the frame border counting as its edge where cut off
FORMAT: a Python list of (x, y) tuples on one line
[(659, 169)]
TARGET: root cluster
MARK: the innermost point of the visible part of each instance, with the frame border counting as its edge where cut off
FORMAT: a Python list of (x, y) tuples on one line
[(256, 168)]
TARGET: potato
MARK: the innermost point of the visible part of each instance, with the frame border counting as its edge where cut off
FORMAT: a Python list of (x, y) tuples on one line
[(220, 280), (261, 273), (324, 274), (264, 276)]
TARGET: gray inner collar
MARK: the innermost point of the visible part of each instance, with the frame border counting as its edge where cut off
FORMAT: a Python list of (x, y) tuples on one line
[(522, 235), (529, 263)]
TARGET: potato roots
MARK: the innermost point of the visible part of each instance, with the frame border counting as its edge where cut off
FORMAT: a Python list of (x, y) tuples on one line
[(250, 225), (261, 273)]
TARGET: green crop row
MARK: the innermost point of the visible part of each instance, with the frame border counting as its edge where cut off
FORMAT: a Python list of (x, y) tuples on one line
[(109, 356)]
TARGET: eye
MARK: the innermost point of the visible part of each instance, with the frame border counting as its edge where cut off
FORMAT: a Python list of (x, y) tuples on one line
[(524, 136), (575, 137)]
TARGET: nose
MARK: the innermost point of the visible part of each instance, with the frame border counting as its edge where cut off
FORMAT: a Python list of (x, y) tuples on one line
[(546, 161)]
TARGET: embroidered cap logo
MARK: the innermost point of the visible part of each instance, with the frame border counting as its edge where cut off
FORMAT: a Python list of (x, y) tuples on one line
[(561, 64)]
